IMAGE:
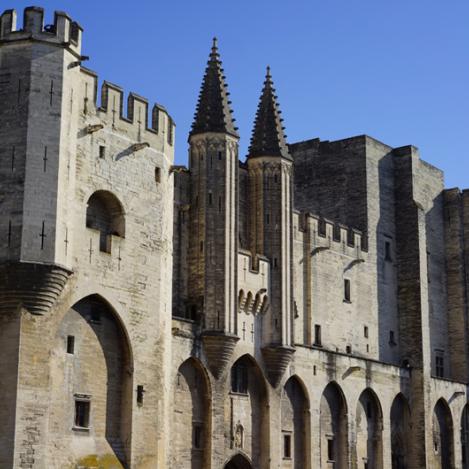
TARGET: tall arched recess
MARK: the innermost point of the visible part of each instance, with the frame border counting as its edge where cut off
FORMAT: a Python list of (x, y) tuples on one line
[(369, 426), (249, 415), (91, 387), (400, 432), (333, 428), (443, 450), (295, 426), (190, 435)]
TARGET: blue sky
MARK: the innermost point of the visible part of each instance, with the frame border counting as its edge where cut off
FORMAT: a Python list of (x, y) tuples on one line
[(397, 70)]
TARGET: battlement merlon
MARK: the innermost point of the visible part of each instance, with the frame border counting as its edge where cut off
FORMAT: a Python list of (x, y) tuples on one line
[(64, 32)]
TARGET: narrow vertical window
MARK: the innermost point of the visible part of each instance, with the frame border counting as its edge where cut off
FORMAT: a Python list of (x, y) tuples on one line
[(392, 340), (210, 198), (347, 296), (286, 446), (219, 155), (158, 175), (330, 450), (348, 349), (387, 251), (365, 332), (317, 335), (197, 435), (102, 152), (239, 378), (439, 364), (140, 392), (71, 344)]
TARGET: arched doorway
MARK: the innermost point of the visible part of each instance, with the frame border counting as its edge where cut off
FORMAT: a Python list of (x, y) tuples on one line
[(295, 425), (442, 436), (400, 432), (369, 444), (238, 462), (91, 387), (333, 427), (465, 437), (191, 440), (250, 412)]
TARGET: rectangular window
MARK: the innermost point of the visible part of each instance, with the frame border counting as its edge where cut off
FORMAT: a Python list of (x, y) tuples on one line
[(347, 296), (239, 378), (330, 450), (392, 339), (365, 332), (210, 198), (71, 344), (102, 151), (82, 413), (348, 349), (439, 364), (158, 175), (387, 251), (317, 335), (197, 435), (140, 392), (286, 446)]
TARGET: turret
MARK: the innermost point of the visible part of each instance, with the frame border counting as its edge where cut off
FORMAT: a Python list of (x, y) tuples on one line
[(270, 188), (38, 68), (212, 256)]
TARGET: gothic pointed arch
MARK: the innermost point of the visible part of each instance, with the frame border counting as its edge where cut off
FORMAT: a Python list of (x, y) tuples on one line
[(400, 432), (191, 417), (295, 425), (92, 384), (333, 427), (250, 411), (369, 426), (443, 443), (238, 461)]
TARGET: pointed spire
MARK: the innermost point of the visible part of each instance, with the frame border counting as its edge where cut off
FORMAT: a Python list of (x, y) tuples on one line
[(213, 112), (268, 137)]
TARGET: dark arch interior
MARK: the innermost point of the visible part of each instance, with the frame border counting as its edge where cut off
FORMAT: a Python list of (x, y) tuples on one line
[(400, 432), (238, 462), (443, 435)]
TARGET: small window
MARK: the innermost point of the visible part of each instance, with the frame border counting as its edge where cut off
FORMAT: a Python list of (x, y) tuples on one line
[(439, 364), (140, 393), (365, 332), (387, 251), (392, 339), (197, 435), (201, 246), (82, 413), (219, 155), (71, 344), (210, 198), (347, 296), (239, 378), (317, 335), (158, 175), (275, 262), (102, 152), (330, 450), (286, 446), (348, 349), (314, 370)]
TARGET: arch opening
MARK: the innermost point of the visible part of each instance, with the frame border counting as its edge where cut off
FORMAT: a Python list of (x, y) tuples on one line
[(333, 427), (295, 425), (238, 462), (442, 436), (400, 432), (92, 385), (191, 448), (369, 444), (249, 401), (105, 214)]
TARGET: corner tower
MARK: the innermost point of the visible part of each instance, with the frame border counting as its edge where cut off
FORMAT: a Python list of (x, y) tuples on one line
[(38, 69), (213, 164), (270, 194)]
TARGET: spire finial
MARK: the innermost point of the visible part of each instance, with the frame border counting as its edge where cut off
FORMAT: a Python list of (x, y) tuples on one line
[(268, 137), (214, 43)]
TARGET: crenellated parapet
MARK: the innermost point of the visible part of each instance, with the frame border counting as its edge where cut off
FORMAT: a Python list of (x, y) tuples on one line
[(327, 234), (64, 32), (141, 122)]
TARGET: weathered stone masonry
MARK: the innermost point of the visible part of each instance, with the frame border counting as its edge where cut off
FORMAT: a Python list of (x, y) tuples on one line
[(303, 309)]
